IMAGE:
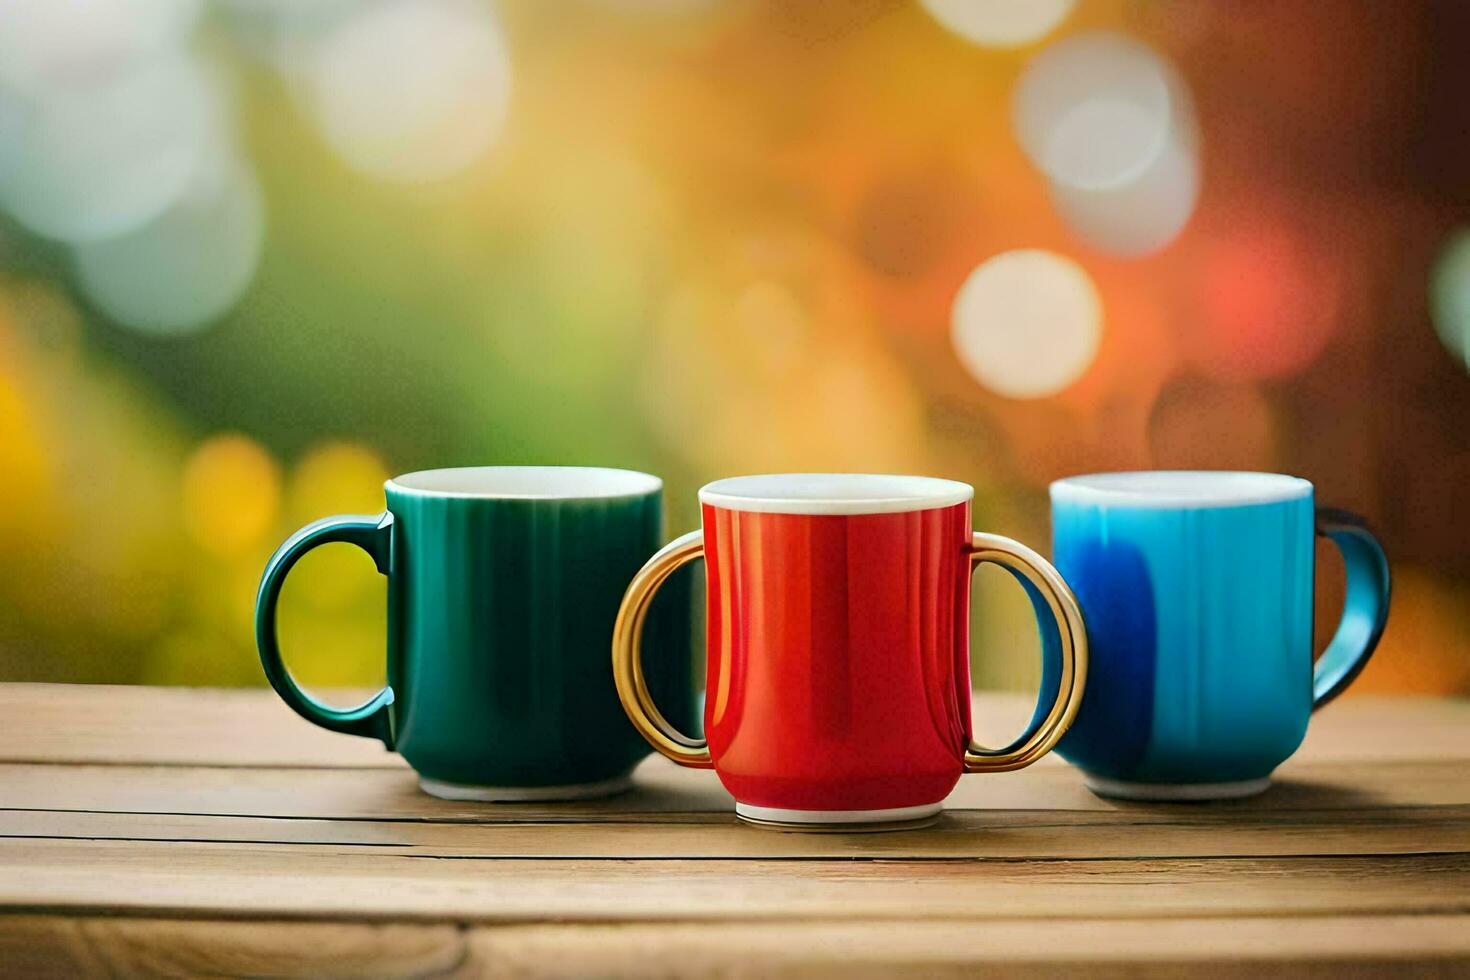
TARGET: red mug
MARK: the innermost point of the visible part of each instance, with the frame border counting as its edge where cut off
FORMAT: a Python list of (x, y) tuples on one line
[(838, 685)]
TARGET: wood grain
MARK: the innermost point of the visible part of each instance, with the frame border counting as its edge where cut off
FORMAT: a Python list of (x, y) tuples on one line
[(251, 727), (98, 723), (1348, 946), (51, 946), (1308, 948), (262, 880), (663, 791), (181, 832), (1035, 835)]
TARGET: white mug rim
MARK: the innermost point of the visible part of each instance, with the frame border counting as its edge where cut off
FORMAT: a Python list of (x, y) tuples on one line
[(834, 493), (1180, 489), (525, 483)]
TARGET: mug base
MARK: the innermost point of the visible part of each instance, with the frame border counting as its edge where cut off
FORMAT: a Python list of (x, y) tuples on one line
[(839, 821), (524, 794), (1121, 789)]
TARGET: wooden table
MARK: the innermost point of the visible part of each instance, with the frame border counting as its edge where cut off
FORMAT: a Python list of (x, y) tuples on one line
[(149, 830)]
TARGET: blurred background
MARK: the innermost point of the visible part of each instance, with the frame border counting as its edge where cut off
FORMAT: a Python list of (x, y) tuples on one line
[(258, 255)]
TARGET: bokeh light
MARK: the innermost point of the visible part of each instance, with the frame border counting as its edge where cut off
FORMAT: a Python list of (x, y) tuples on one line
[(1141, 216), (1027, 323), (1449, 295), (231, 494), (1266, 304), (1093, 110), (50, 42), (700, 237), (780, 349), (336, 478), (657, 7), (187, 266), (1111, 124), (411, 90), (101, 157), (916, 226), (333, 614), (280, 33), (27, 493), (1000, 23)]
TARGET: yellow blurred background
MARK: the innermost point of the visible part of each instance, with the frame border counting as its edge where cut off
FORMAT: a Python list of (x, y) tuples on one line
[(258, 255)]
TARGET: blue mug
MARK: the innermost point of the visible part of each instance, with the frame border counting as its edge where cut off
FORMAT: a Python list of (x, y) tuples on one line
[(1198, 592)]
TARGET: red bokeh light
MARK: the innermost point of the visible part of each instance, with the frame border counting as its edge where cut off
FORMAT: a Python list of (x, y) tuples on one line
[(1267, 304)]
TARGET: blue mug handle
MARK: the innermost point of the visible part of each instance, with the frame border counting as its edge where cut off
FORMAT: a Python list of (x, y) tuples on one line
[(1364, 610)]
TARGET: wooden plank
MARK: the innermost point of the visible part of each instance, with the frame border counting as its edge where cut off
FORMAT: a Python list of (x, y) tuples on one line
[(172, 725), (174, 831), (661, 787), (53, 946), (1298, 947), (1036, 835), (208, 726), (315, 882), (664, 790)]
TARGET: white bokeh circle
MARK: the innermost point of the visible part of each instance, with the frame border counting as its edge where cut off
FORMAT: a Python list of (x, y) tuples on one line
[(1111, 125), (188, 266), (410, 90), (1094, 110), (99, 160), (1027, 323), (1449, 296), (1000, 23), (46, 43), (1141, 216)]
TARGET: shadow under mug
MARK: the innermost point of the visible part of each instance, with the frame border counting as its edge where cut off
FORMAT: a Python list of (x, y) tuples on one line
[(1198, 588), (838, 682), (503, 584)]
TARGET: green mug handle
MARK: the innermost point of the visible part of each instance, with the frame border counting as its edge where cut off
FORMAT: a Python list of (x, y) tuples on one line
[(372, 533)]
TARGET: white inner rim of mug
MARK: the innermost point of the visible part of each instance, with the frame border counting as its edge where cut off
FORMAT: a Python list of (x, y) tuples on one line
[(527, 482), (1181, 488), (834, 493)]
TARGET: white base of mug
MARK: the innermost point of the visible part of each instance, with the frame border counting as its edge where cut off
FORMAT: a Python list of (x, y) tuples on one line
[(1120, 789), (771, 816), (524, 794)]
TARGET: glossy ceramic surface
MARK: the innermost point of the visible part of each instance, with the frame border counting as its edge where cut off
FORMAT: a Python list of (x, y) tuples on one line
[(500, 605), (838, 656), (838, 685), (1198, 595)]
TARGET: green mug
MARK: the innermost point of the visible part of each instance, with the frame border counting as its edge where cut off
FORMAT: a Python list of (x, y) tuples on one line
[(503, 585)]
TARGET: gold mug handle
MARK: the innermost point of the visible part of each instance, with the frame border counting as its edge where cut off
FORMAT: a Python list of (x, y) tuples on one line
[(1045, 582), (1021, 561), (628, 666)]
